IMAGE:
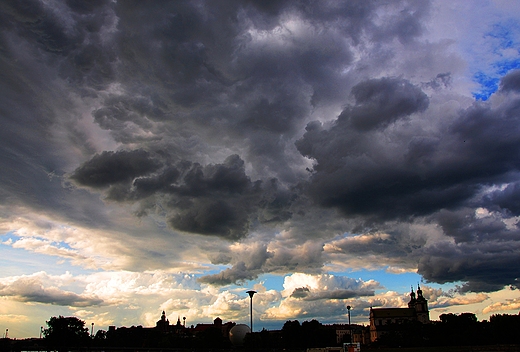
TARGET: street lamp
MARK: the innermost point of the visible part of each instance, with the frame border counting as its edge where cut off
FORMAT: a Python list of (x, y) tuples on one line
[(92, 331), (349, 326), (251, 293)]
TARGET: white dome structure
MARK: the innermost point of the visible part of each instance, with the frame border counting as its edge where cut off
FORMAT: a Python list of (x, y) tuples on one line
[(238, 333)]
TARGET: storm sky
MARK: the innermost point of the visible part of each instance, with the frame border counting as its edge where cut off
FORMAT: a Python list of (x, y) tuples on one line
[(172, 155)]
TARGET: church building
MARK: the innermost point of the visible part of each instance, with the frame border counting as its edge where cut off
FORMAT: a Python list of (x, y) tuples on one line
[(383, 320), (164, 326)]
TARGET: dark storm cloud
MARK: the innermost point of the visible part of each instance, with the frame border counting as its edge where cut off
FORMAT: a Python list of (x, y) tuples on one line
[(216, 199), (67, 36), (464, 226), (110, 168), (483, 268), (507, 199), (203, 102), (511, 82), (389, 172), (392, 173), (212, 218), (483, 256), (37, 24), (383, 101), (35, 149)]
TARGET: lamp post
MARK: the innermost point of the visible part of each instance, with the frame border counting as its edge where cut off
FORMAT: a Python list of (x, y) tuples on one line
[(41, 331), (349, 326), (92, 331), (251, 293)]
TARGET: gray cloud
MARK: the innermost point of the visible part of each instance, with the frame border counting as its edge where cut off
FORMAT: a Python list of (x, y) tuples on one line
[(473, 258), (111, 168), (247, 265), (507, 199), (214, 200), (481, 269), (300, 292), (253, 259), (327, 289), (207, 117), (218, 199), (239, 273), (511, 82), (30, 289), (383, 101), (305, 294), (415, 174)]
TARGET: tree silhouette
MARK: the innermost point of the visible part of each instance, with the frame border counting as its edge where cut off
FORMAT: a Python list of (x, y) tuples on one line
[(64, 332), (291, 334), (314, 334), (505, 328)]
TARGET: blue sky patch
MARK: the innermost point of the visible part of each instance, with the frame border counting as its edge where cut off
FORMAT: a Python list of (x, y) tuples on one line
[(501, 43)]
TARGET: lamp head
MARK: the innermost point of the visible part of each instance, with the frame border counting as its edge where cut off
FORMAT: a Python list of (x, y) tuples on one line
[(251, 293)]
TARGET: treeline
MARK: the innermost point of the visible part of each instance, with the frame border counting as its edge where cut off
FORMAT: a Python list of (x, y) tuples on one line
[(293, 336), (68, 333), (454, 330)]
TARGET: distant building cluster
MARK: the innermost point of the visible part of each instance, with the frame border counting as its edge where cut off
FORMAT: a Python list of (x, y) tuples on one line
[(410, 326), (179, 329), (382, 321)]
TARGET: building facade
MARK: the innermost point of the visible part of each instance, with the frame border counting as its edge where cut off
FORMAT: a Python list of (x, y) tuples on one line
[(383, 320)]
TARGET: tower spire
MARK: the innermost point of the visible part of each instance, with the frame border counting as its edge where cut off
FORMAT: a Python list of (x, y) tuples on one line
[(411, 304)]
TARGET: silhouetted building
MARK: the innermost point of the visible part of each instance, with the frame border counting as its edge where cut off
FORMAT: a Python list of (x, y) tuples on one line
[(163, 325), (217, 323), (350, 333), (383, 320)]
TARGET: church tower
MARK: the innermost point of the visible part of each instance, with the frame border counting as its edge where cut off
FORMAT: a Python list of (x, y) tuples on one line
[(421, 307), (163, 325), (413, 301)]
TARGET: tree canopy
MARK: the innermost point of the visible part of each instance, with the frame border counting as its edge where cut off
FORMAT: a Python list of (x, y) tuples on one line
[(66, 331)]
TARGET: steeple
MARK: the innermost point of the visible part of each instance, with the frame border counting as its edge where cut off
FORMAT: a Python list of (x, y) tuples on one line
[(413, 301), (421, 307), (163, 324), (419, 293)]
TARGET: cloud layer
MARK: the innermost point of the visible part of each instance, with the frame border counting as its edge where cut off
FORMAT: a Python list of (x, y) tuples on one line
[(234, 140)]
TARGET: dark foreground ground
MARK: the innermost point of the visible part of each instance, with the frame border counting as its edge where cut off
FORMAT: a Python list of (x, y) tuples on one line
[(492, 348)]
